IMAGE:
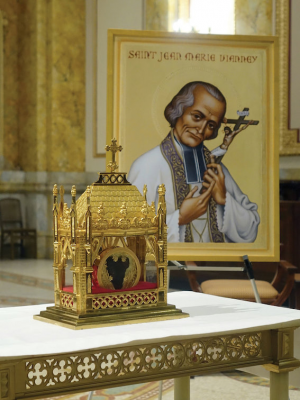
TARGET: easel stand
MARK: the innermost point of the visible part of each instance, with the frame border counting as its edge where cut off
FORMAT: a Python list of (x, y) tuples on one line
[(249, 270)]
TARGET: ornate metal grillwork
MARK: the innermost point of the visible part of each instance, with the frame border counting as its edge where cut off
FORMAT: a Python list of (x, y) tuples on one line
[(127, 299), (153, 359), (112, 178), (66, 300)]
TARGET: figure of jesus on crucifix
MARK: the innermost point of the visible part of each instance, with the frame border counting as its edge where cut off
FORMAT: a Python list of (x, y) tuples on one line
[(229, 134), (204, 203)]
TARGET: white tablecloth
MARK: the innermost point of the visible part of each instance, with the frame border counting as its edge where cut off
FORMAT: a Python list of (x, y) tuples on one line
[(21, 335)]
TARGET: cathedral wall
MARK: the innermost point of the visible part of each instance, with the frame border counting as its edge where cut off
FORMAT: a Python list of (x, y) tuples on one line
[(290, 165), (66, 29), (258, 18), (10, 145), (44, 107), (102, 15)]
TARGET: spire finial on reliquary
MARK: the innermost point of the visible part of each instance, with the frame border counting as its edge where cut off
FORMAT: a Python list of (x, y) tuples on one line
[(114, 148)]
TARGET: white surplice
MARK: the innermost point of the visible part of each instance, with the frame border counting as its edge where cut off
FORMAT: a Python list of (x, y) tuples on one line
[(238, 220)]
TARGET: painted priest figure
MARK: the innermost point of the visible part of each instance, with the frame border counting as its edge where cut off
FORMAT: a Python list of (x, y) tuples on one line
[(220, 212)]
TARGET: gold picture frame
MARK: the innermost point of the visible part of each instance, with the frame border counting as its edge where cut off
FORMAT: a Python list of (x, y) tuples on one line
[(1, 92), (147, 68), (289, 138)]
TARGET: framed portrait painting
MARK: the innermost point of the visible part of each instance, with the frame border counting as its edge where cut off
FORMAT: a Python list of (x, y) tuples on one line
[(198, 113)]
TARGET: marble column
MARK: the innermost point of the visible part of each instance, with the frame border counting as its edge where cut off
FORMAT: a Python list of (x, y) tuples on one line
[(254, 17), (44, 106)]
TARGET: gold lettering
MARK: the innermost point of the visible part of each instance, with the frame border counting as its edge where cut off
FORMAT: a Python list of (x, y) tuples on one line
[(175, 56), (238, 59), (189, 57)]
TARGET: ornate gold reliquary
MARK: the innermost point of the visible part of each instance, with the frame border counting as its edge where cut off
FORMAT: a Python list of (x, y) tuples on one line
[(109, 233)]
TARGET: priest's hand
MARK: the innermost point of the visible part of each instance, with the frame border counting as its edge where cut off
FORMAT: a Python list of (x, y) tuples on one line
[(214, 174), (193, 207)]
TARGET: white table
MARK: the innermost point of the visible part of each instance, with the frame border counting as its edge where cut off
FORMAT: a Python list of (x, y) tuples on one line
[(44, 360)]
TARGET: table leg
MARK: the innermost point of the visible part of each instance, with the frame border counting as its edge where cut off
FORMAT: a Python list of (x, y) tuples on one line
[(160, 390), (182, 388), (279, 386)]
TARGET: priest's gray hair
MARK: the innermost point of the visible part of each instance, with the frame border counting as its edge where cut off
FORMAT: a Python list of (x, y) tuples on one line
[(185, 98)]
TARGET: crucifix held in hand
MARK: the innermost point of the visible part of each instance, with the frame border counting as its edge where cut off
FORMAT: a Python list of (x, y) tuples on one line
[(114, 148), (241, 120), (241, 124)]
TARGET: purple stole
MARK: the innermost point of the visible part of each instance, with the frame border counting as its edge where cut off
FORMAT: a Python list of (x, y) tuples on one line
[(181, 188)]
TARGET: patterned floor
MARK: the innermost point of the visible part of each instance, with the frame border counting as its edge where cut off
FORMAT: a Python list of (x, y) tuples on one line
[(146, 391), (229, 385), (27, 282), (252, 379)]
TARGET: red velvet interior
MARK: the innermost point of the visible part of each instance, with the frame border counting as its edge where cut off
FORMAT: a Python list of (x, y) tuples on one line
[(98, 289)]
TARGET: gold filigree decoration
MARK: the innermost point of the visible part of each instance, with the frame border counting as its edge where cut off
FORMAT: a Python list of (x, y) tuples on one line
[(123, 210), (132, 273), (234, 347), (153, 207), (164, 358), (101, 222), (108, 215), (127, 299), (151, 246), (251, 345), (146, 218), (66, 250), (101, 211), (55, 190), (66, 300), (65, 219), (113, 148), (285, 344), (113, 223), (124, 222), (4, 384), (144, 209), (96, 245)]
